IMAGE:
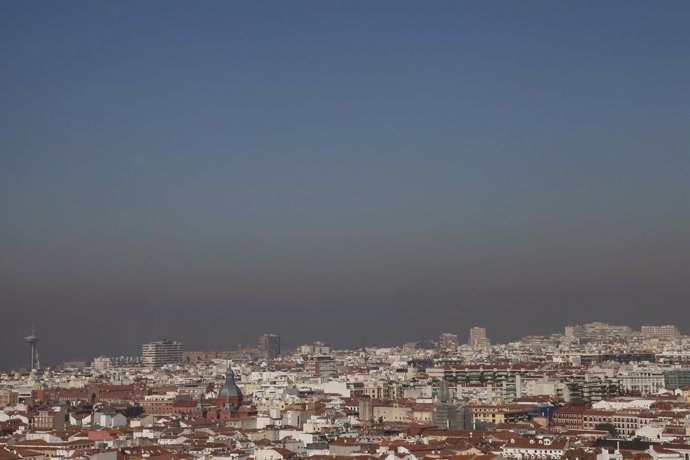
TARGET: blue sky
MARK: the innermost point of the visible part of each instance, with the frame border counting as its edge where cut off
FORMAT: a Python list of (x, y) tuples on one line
[(276, 164)]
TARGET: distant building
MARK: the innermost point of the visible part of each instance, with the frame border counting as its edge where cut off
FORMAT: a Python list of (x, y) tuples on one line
[(478, 338), (496, 414), (158, 354), (106, 417), (448, 341), (320, 366), (660, 332), (644, 381), (269, 346), (410, 347), (203, 356), (316, 348), (446, 414), (676, 378), (48, 420), (158, 405), (102, 363), (597, 332), (366, 410), (8, 398), (569, 332)]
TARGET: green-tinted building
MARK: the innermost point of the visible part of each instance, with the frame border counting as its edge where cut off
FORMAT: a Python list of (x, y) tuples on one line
[(677, 378)]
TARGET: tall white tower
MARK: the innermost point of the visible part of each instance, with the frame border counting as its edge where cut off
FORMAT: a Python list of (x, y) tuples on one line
[(33, 341)]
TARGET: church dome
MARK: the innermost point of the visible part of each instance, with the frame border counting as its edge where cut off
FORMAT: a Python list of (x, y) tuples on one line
[(231, 393)]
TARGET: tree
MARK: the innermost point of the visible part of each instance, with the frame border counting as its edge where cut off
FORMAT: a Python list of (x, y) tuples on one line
[(577, 403), (133, 411), (606, 427)]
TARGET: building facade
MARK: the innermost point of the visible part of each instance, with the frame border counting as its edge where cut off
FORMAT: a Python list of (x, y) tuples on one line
[(160, 353), (667, 332), (448, 341), (269, 346), (478, 338), (677, 378)]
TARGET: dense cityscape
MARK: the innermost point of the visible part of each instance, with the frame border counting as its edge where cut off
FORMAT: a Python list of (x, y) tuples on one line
[(344, 230), (593, 391)]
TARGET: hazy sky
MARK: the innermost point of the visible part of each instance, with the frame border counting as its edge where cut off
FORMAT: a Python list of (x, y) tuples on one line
[(349, 171)]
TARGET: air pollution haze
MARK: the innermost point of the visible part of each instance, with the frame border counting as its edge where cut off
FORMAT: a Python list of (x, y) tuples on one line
[(352, 172)]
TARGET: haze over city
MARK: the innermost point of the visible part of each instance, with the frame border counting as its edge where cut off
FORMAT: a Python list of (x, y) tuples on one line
[(356, 172)]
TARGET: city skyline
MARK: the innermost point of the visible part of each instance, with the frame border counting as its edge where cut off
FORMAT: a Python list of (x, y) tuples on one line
[(145, 352), (308, 230), (594, 391), (365, 172)]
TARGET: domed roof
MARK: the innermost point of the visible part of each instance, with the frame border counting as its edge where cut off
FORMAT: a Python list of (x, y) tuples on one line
[(230, 391)]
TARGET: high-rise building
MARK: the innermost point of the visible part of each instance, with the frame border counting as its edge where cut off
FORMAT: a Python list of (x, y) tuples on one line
[(667, 331), (569, 332), (448, 341), (160, 353), (478, 338), (269, 346)]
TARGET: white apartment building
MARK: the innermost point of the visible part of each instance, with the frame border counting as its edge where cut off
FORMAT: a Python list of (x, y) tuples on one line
[(158, 354), (641, 381), (667, 331)]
